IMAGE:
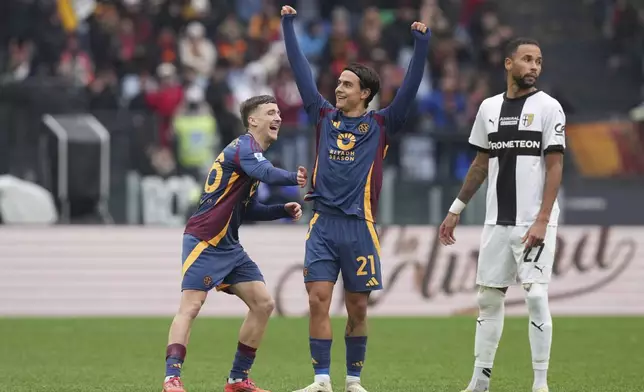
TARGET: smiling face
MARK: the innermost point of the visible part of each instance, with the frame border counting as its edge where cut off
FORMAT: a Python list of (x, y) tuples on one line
[(348, 94), (524, 65), (357, 85), (261, 115), (266, 120)]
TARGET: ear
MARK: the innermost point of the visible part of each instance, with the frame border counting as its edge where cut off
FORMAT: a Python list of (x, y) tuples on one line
[(364, 94), (252, 122), (508, 64)]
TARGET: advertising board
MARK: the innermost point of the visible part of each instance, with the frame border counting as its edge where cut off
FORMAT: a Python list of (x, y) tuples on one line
[(129, 270)]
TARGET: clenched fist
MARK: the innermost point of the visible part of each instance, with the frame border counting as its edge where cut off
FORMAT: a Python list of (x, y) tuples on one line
[(288, 10), (301, 176), (294, 210), (417, 26)]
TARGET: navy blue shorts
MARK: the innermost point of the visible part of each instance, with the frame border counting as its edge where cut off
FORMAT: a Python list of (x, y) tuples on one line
[(206, 267), (339, 243)]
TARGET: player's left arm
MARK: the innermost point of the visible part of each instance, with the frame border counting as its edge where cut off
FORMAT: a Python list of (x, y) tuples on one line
[(396, 113), (256, 211), (251, 160), (554, 145)]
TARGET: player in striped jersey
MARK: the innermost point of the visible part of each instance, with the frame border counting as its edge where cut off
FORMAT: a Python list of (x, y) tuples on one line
[(212, 255), (519, 136)]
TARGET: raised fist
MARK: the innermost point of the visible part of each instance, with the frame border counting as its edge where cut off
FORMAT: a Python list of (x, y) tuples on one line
[(418, 26), (288, 10)]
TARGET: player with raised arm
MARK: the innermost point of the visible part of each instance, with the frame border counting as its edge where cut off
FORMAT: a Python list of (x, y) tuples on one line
[(520, 138), (212, 255), (351, 145)]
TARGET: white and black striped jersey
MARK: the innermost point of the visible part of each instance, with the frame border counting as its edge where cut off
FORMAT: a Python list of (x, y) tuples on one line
[(517, 133)]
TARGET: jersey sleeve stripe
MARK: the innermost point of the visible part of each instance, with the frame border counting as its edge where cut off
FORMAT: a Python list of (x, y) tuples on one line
[(554, 148), (479, 148)]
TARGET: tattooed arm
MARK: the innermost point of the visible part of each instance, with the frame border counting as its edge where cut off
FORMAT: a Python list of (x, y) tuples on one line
[(476, 175)]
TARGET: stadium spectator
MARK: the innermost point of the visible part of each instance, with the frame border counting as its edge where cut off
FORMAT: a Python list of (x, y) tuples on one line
[(198, 52), (147, 53)]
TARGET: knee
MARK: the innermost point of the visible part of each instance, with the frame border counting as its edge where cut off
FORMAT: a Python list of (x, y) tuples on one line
[(357, 304), (319, 300), (536, 298), (490, 299), (190, 307), (263, 306)]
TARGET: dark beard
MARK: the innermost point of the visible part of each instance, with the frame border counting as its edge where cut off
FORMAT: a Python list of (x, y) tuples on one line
[(522, 84)]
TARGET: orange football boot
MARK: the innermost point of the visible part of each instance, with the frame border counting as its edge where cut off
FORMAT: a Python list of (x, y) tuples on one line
[(173, 385), (246, 385)]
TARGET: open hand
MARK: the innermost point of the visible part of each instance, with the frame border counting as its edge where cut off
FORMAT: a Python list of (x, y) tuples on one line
[(534, 236), (294, 210), (446, 231), (288, 10), (418, 26), (301, 176)]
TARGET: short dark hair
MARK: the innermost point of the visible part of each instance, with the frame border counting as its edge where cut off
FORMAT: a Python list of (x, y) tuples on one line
[(368, 79), (513, 45), (252, 103)]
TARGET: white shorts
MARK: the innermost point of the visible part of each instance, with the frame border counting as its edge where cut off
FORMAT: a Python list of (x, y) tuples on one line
[(503, 261)]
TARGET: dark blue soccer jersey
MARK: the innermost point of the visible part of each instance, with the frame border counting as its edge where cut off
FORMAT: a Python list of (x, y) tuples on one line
[(347, 173), (228, 196)]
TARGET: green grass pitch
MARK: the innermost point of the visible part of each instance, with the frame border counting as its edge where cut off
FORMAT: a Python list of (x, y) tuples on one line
[(404, 354)]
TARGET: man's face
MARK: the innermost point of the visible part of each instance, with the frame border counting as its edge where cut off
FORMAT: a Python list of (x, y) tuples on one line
[(525, 66), (266, 119), (348, 95)]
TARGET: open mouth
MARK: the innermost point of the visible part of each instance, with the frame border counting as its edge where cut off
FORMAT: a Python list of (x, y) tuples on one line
[(274, 127)]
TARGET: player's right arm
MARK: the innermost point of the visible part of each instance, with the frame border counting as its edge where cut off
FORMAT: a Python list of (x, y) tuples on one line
[(301, 68), (251, 160), (475, 177), (477, 173)]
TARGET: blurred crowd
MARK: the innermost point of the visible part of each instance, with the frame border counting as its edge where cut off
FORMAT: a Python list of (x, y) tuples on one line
[(622, 23), (191, 62)]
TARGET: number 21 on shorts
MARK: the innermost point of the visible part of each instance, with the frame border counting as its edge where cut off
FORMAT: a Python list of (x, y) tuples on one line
[(363, 264)]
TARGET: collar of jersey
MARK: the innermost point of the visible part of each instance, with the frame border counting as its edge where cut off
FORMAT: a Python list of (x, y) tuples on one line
[(505, 96), (339, 116)]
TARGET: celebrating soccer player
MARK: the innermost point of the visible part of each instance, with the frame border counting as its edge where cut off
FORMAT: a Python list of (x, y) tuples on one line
[(520, 140), (345, 186), (212, 256)]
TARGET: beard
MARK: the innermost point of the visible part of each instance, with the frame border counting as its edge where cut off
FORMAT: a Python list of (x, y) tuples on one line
[(522, 83)]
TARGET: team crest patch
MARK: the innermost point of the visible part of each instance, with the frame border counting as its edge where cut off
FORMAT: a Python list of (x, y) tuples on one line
[(527, 119), (363, 128), (207, 281), (336, 124)]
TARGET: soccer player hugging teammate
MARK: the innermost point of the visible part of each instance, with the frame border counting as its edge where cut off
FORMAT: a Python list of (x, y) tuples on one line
[(345, 186), (212, 255), (520, 140)]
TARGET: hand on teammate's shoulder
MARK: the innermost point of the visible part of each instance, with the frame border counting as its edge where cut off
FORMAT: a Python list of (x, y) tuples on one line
[(419, 29), (288, 10)]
